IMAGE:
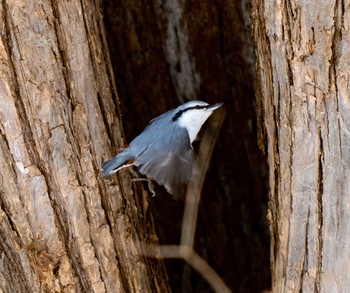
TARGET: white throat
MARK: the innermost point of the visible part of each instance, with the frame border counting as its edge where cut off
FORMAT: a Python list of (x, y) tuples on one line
[(193, 120)]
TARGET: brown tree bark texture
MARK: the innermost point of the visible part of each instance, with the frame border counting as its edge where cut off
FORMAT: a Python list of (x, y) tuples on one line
[(62, 227), (303, 55)]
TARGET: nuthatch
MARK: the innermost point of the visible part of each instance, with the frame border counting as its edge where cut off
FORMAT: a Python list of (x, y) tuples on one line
[(163, 151)]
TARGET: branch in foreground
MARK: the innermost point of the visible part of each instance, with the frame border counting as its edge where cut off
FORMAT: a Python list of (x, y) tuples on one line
[(192, 258), (200, 169), (185, 249)]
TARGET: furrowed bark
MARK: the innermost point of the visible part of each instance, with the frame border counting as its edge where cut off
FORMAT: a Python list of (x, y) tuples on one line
[(62, 226), (302, 50)]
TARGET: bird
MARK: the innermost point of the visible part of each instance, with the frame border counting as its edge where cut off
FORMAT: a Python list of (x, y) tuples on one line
[(163, 151)]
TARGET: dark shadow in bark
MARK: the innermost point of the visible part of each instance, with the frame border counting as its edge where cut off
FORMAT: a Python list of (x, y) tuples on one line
[(232, 232)]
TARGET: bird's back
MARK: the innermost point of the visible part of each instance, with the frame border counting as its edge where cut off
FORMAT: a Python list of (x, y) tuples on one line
[(156, 136), (163, 152)]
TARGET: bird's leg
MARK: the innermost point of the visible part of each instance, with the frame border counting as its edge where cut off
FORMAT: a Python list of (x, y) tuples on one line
[(150, 184), (151, 188), (137, 174)]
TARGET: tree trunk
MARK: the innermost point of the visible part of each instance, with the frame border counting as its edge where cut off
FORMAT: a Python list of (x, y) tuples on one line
[(302, 50), (64, 228)]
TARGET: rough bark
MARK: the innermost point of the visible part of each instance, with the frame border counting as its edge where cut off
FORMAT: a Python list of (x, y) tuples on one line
[(166, 52), (302, 50), (63, 228)]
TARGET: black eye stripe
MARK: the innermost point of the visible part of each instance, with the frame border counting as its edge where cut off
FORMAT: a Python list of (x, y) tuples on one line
[(179, 113)]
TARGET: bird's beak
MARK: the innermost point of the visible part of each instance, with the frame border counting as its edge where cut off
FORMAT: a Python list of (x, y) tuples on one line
[(214, 107)]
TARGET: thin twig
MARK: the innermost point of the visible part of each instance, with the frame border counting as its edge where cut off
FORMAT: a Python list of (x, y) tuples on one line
[(185, 249), (193, 259), (195, 186)]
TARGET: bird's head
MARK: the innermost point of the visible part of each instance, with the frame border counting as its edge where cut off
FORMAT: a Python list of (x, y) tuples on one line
[(192, 116)]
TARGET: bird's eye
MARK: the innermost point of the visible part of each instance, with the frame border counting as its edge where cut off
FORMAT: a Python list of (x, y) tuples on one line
[(197, 107)]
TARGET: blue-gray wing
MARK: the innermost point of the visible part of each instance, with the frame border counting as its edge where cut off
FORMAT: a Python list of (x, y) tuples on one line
[(169, 161)]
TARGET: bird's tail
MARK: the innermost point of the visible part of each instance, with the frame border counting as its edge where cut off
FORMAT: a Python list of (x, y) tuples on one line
[(113, 165)]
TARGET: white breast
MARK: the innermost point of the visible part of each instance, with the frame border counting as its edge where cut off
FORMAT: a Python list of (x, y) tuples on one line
[(193, 120)]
